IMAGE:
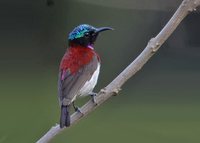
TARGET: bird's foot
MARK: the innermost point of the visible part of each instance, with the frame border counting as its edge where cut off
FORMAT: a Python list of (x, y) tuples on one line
[(77, 109), (93, 95)]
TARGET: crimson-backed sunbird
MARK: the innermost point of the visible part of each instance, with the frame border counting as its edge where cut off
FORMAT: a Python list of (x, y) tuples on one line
[(79, 68)]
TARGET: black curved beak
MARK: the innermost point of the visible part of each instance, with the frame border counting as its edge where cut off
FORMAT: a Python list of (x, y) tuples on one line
[(101, 29)]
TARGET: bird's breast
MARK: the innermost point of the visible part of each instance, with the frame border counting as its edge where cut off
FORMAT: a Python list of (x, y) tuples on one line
[(75, 58)]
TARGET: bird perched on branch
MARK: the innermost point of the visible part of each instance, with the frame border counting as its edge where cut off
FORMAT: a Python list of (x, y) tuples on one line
[(79, 69)]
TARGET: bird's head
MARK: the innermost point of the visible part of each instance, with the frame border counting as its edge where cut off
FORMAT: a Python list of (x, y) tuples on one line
[(85, 35)]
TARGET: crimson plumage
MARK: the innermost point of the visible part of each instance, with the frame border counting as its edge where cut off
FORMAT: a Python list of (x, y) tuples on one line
[(76, 57), (79, 68)]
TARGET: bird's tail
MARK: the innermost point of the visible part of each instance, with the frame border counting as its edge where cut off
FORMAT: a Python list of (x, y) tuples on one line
[(64, 117)]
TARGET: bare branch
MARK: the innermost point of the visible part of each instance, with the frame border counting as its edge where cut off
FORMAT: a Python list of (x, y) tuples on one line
[(114, 87)]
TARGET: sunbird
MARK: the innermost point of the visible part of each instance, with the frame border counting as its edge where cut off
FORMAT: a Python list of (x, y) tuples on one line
[(79, 69)]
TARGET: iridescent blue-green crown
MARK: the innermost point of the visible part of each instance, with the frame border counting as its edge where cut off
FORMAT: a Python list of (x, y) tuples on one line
[(79, 31)]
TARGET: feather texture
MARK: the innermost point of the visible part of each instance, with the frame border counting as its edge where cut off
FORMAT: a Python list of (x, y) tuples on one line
[(78, 74), (79, 68)]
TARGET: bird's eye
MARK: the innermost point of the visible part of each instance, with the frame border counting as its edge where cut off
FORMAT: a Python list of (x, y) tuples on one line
[(87, 34)]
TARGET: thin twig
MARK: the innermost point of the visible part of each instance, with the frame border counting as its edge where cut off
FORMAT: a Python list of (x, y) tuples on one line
[(114, 87)]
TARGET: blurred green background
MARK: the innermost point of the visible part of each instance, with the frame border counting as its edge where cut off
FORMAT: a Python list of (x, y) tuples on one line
[(160, 104)]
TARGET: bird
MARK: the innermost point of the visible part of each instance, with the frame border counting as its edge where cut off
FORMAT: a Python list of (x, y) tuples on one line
[(79, 69)]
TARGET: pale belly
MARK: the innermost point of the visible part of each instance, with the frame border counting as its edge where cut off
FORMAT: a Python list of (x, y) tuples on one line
[(89, 85)]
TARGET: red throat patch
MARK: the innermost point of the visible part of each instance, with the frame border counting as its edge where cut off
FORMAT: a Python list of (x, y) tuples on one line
[(76, 57)]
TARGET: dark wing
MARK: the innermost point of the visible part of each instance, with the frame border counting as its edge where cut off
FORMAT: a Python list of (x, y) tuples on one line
[(69, 87)]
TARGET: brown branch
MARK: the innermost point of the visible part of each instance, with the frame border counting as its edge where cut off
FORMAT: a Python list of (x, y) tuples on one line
[(114, 87)]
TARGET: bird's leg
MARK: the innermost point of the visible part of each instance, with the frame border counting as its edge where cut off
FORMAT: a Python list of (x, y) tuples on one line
[(93, 95), (76, 108)]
